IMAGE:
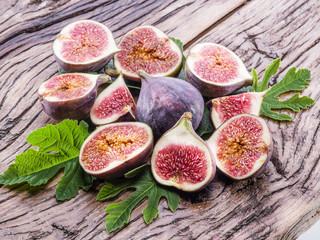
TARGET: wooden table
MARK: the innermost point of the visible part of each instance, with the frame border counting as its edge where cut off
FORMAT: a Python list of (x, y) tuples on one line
[(279, 204)]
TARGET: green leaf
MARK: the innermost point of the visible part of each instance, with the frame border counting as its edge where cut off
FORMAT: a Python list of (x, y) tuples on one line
[(294, 80), (205, 124), (145, 187), (73, 179), (255, 80), (58, 148), (61, 71), (271, 70), (135, 171), (266, 111), (180, 45)]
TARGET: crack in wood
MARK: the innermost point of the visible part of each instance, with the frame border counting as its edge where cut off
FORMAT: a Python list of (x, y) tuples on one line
[(39, 26), (67, 233), (304, 187), (247, 221), (171, 13)]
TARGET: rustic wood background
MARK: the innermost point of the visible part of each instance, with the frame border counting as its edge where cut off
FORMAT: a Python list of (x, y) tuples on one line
[(280, 204)]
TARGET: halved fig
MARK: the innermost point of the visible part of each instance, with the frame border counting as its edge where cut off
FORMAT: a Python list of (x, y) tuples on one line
[(116, 148), (149, 49), (242, 146), (224, 108), (84, 46), (70, 95), (182, 159), (115, 103), (163, 100), (215, 70)]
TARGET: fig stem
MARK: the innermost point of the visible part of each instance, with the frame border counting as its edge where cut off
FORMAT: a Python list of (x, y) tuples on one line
[(112, 72), (185, 120), (143, 74), (187, 116), (103, 78)]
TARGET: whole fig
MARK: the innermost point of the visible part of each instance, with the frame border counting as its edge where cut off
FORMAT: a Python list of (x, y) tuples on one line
[(163, 100)]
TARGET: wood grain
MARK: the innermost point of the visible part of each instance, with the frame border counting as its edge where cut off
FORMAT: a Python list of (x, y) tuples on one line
[(280, 203)]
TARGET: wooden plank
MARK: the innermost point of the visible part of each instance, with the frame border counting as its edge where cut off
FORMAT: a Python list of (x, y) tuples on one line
[(27, 31), (275, 205), (284, 199)]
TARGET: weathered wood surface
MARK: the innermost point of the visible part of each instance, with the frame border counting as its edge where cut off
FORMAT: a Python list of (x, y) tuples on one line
[(280, 204)]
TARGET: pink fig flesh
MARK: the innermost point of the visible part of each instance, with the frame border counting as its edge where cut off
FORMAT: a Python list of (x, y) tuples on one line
[(173, 158), (149, 49), (116, 148), (215, 70), (226, 107), (242, 146)]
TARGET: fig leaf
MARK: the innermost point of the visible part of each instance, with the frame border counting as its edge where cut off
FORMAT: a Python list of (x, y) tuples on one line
[(205, 124), (145, 187), (58, 148), (271, 70), (294, 80), (135, 172)]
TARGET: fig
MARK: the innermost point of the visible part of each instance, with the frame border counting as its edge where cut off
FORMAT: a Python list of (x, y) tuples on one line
[(182, 159), (116, 148), (163, 100), (215, 70), (84, 46), (226, 107), (70, 95), (149, 49), (242, 146), (114, 103)]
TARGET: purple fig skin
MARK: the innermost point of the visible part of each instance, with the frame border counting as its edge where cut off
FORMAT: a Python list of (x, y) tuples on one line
[(165, 140), (163, 100), (73, 109), (77, 108), (212, 141), (125, 166)]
